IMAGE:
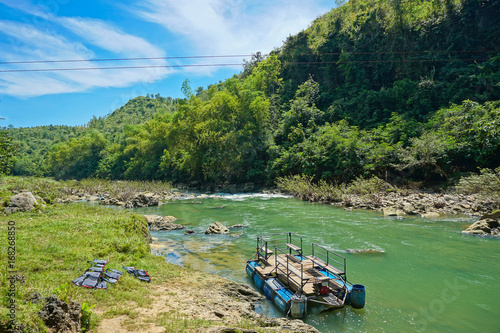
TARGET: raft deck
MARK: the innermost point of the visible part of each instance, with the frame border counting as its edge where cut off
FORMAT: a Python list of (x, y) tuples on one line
[(301, 273)]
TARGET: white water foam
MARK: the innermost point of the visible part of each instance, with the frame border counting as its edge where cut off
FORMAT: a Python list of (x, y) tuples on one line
[(245, 196)]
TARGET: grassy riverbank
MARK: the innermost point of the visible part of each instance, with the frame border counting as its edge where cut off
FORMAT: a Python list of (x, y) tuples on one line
[(52, 248), (53, 245)]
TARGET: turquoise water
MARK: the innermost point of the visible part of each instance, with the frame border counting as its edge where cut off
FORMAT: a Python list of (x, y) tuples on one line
[(431, 278)]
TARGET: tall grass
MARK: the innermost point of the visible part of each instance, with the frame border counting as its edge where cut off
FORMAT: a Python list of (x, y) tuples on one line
[(305, 188)]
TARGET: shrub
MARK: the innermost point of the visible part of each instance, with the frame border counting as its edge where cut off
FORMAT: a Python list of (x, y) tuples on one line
[(486, 183), (362, 186)]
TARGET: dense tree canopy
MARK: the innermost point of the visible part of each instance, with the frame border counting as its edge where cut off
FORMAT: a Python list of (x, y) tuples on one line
[(389, 88)]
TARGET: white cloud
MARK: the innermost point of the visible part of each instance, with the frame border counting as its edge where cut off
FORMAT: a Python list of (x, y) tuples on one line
[(207, 27), (110, 38), (31, 41), (231, 26), (28, 43)]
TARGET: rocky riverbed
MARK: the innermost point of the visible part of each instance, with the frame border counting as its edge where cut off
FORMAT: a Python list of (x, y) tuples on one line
[(391, 204)]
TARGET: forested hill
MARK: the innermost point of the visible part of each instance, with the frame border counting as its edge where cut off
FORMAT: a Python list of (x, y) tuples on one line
[(34, 143), (388, 88)]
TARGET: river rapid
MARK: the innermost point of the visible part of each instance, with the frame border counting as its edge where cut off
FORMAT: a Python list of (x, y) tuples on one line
[(428, 278)]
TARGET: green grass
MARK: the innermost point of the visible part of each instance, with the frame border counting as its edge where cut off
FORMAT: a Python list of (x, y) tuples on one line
[(53, 247)]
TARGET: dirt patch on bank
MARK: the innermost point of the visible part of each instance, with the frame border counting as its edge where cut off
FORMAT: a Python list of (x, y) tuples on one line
[(200, 302)]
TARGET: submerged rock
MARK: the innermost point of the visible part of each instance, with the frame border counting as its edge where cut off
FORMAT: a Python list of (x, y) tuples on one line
[(216, 228), (430, 215), (364, 251)]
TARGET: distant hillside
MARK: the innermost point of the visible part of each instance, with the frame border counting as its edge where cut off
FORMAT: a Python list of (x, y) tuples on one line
[(136, 111), (35, 142), (399, 89)]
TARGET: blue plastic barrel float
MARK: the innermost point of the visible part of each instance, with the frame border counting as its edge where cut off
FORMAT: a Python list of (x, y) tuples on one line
[(282, 299), (358, 296), (270, 288), (251, 268), (258, 280)]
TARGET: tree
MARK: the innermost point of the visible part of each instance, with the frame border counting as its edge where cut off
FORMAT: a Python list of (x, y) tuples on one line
[(8, 152), (78, 158)]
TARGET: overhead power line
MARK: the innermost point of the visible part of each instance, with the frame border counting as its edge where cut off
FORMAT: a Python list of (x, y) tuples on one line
[(116, 67), (123, 59), (239, 64), (237, 56), (227, 65)]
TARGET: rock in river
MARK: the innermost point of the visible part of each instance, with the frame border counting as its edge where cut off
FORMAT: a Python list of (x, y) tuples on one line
[(157, 222), (216, 228), (488, 225), (392, 211)]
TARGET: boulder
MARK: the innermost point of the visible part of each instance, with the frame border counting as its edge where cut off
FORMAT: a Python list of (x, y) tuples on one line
[(157, 222), (216, 228), (409, 209), (392, 211), (495, 215), (145, 199), (189, 232), (21, 202), (484, 227)]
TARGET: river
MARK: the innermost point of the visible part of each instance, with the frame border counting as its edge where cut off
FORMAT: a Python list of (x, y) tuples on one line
[(430, 278)]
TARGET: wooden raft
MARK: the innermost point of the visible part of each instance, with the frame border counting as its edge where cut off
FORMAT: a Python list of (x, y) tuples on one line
[(293, 271)]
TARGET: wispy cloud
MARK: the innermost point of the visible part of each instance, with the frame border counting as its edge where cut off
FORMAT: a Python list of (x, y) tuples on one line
[(230, 26), (110, 38), (31, 41)]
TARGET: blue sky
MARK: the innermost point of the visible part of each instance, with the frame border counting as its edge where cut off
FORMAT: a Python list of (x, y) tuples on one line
[(48, 30)]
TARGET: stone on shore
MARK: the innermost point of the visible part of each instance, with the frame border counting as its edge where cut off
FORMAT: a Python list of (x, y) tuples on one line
[(60, 316), (21, 202), (216, 228)]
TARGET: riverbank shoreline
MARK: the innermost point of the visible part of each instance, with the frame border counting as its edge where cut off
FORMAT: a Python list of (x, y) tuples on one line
[(421, 203), (372, 194)]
